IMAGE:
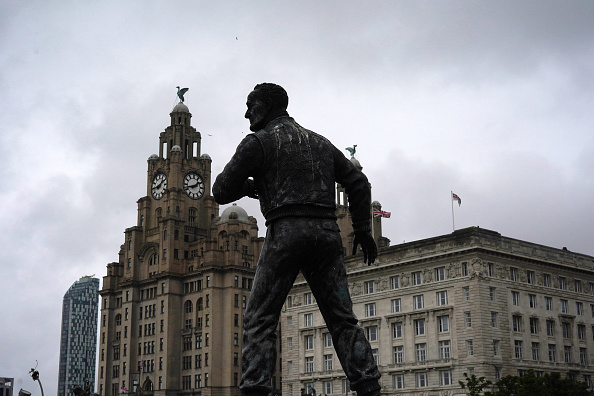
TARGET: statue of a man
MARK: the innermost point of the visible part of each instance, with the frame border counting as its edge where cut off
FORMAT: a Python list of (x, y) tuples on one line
[(293, 171)]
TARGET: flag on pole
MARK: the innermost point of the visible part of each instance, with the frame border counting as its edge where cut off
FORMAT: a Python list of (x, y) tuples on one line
[(455, 197), (381, 213)]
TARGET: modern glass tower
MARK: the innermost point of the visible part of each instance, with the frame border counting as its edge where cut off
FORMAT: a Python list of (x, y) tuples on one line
[(78, 343)]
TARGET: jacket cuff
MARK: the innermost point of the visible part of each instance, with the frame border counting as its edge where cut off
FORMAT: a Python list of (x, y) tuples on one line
[(363, 226)]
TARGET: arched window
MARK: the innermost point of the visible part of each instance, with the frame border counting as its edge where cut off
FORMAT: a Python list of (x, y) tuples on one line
[(153, 259), (118, 320), (199, 304), (188, 306)]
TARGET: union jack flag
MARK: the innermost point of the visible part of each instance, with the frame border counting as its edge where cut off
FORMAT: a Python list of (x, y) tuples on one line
[(381, 213), (455, 197)]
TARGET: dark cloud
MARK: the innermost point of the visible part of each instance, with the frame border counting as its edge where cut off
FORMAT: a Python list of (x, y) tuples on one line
[(491, 100)]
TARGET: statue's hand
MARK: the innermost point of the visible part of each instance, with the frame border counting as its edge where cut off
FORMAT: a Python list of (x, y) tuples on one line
[(368, 246), (249, 189)]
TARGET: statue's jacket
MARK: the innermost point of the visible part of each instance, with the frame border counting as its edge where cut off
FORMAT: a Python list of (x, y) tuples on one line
[(294, 171)]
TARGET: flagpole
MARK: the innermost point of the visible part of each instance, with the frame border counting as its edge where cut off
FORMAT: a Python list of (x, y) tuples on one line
[(452, 201)]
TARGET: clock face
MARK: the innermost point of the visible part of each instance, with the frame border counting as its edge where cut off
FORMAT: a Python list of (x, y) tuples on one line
[(159, 185), (194, 185)]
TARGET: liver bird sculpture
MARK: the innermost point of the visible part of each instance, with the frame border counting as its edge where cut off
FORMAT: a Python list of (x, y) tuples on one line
[(352, 150), (181, 92)]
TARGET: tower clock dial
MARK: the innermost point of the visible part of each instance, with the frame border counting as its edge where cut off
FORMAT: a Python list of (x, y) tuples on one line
[(194, 185), (159, 185)]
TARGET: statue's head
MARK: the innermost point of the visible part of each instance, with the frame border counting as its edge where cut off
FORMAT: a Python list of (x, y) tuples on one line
[(266, 102)]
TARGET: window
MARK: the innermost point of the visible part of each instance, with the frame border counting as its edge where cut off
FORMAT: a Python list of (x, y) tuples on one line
[(309, 342), (532, 300), (396, 305), (535, 351), (552, 353), (307, 298), (534, 326), (490, 269), (469, 348), (495, 347), (565, 326), (564, 306), (517, 323), (468, 319), (327, 385), (328, 362), (398, 381), (515, 298), (290, 343), (492, 294), (369, 309), (493, 319), (441, 298), (371, 333), (395, 282), (465, 269), (308, 320), (290, 322), (188, 306), (421, 352), (418, 302), (369, 287), (327, 340), (530, 277), (518, 349), (440, 274), (398, 354), (562, 283), (579, 308), (443, 323), (445, 377), (581, 330), (421, 379), (546, 280), (397, 329), (549, 303), (309, 364), (375, 355), (513, 273), (583, 356), (420, 326), (550, 328), (444, 349), (567, 354), (417, 278), (466, 291)]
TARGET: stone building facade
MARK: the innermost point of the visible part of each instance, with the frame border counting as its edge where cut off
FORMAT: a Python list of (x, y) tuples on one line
[(173, 303), (472, 301)]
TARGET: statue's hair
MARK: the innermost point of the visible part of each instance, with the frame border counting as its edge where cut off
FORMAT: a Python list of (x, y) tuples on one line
[(274, 92)]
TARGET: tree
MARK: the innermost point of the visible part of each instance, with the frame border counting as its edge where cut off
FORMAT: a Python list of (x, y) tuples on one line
[(547, 385), (474, 386)]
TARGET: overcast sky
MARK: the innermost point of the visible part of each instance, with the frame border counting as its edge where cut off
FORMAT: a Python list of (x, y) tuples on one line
[(490, 99)]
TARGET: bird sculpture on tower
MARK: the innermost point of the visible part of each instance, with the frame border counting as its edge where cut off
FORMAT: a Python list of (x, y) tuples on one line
[(352, 150), (181, 92)]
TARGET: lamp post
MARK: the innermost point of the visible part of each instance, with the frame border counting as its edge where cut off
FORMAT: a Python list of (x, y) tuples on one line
[(35, 375)]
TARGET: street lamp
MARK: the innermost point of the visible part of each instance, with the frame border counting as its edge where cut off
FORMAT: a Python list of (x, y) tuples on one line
[(35, 375)]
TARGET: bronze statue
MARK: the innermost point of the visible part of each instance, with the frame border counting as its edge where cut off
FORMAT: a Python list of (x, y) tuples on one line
[(293, 171)]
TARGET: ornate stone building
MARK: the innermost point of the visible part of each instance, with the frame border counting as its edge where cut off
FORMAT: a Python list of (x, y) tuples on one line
[(472, 301), (172, 305)]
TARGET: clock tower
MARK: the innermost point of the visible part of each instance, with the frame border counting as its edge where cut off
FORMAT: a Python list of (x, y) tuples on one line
[(172, 305)]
